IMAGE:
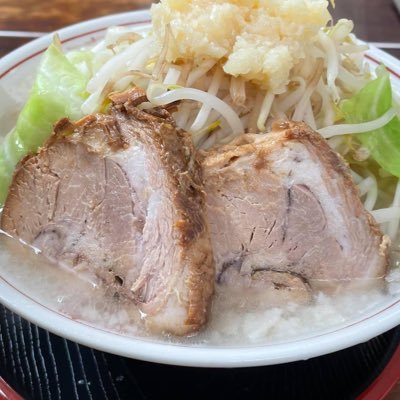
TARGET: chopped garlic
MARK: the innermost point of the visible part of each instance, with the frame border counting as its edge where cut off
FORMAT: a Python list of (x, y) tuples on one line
[(259, 40)]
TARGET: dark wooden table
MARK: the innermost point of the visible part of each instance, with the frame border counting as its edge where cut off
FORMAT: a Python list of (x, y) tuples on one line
[(375, 21)]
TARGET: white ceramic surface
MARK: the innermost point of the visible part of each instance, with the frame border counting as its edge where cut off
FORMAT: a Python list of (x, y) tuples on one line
[(15, 80)]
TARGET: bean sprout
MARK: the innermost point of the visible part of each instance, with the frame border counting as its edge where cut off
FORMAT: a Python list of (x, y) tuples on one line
[(346, 129)]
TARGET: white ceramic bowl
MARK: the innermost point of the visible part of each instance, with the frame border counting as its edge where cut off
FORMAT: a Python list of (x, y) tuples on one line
[(15, 80)]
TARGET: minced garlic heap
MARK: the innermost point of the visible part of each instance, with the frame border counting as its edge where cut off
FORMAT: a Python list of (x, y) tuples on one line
[(259, 40)]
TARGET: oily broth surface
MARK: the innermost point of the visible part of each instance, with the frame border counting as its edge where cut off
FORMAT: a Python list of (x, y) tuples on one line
[(63, 291)]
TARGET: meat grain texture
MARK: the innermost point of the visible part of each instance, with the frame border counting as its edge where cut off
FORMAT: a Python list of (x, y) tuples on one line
[(118, 198), (123, 200), (284, 214)]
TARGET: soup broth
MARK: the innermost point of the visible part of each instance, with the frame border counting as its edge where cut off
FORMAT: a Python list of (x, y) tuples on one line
[(64, 292)]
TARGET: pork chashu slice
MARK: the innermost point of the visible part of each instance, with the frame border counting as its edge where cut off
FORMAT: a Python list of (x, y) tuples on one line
[(119, 199), (284, 202)]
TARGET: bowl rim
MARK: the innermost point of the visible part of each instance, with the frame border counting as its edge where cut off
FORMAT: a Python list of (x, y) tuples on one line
[(172, 353)]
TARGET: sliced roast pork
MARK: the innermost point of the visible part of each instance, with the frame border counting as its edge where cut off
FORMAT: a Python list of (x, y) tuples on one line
[(284, 214), (119, 199)]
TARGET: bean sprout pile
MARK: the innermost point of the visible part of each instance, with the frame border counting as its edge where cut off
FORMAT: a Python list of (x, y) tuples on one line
[(215, 107)]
